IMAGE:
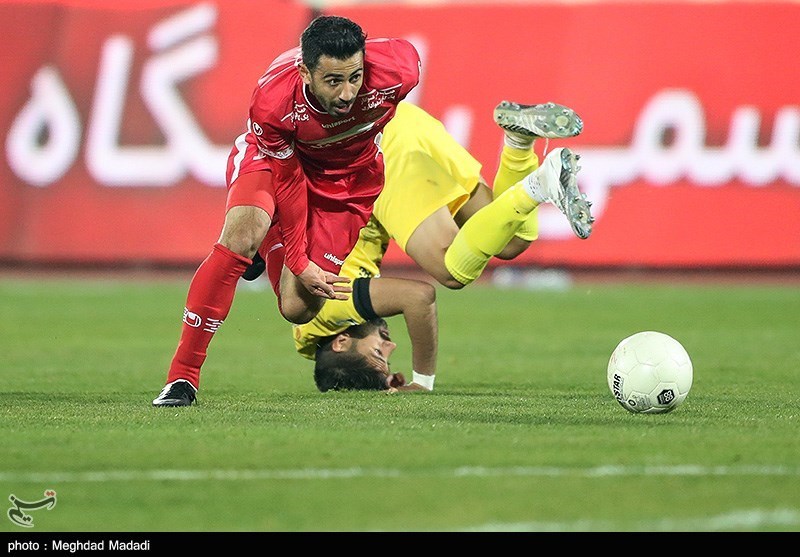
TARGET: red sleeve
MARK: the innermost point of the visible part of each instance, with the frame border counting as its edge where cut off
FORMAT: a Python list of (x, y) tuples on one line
[(275, 138), (291, 204), (409, 65), (391, 62)]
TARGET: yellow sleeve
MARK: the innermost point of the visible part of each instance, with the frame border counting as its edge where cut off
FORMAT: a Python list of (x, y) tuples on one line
[(335, 317)]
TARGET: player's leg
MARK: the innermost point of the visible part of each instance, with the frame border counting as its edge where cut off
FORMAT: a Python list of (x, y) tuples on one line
[(503, 229), (488, 231), (297, 304), (481, 197), (429, 184), (429, 242), (213, 285), (456, 257), (523, 125), (515, 164), (288, 289)]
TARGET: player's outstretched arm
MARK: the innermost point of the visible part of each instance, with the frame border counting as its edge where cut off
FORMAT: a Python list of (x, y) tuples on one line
[(416, 300)]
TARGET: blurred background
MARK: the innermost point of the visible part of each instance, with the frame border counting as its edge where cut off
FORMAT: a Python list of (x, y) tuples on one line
[(117, 118)]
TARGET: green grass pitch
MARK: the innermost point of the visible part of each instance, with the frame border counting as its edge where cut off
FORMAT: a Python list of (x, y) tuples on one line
[(521, 433)]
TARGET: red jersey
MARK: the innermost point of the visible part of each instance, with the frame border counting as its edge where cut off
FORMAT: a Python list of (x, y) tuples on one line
[(306, 147)]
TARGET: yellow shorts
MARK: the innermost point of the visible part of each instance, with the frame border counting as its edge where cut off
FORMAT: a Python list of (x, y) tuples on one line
[(426, 169)]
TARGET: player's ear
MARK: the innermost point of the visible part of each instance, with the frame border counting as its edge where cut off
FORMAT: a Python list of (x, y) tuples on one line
[(341, 342), (305, 73)]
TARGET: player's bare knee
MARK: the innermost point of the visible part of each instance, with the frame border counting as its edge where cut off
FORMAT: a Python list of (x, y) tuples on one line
[(241, 246), (297, 315), (244, 230), (298, 311)]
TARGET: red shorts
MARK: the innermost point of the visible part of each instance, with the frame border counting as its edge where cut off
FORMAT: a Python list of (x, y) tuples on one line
[(338, 208)]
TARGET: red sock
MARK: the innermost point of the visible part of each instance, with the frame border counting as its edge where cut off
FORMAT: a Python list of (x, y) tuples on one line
[(207, 305)]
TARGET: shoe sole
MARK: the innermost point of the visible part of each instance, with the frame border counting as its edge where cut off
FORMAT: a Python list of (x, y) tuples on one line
[(172, 402), (576, 208), (547, 120), (180, 396)]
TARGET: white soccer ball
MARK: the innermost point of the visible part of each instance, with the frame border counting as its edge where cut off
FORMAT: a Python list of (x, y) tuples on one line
[(650, 373)]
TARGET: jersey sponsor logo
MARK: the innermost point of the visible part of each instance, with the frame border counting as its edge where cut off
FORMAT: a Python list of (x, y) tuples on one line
[(331, 257), (339, 123)]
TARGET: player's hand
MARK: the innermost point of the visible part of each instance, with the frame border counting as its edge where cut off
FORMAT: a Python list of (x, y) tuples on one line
[(394, 381), (324, 284), (410, 388), (397, 384), (414, 387)]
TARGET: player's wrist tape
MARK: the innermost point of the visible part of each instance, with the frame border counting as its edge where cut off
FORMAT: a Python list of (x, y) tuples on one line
[(423, 380)]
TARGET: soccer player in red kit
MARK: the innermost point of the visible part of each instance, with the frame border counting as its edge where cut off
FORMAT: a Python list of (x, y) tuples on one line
[(302, 182)]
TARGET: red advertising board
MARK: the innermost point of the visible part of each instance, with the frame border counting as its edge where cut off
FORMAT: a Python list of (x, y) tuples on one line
[(116, 121)]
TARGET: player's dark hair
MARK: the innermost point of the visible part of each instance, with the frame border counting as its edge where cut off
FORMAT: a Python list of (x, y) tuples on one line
[(330, 35), (348, 371)]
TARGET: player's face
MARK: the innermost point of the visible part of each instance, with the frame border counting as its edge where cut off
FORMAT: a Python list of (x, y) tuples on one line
[(377, 347), (335, 83)]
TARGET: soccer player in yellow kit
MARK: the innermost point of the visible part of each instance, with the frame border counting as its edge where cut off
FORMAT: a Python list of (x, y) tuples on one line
[(440, 211)]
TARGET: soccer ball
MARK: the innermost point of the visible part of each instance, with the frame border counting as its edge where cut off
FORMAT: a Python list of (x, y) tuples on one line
[(650, 373)]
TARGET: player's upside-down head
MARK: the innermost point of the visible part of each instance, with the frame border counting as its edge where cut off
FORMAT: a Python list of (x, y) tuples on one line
[(357, 359)]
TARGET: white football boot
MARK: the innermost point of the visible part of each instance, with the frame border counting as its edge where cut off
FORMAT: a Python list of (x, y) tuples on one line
[(531, 121), (556, 182)]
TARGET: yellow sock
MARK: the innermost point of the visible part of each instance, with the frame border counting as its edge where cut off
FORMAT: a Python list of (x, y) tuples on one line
[(486, 233), (515, 164), (529, 230)]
